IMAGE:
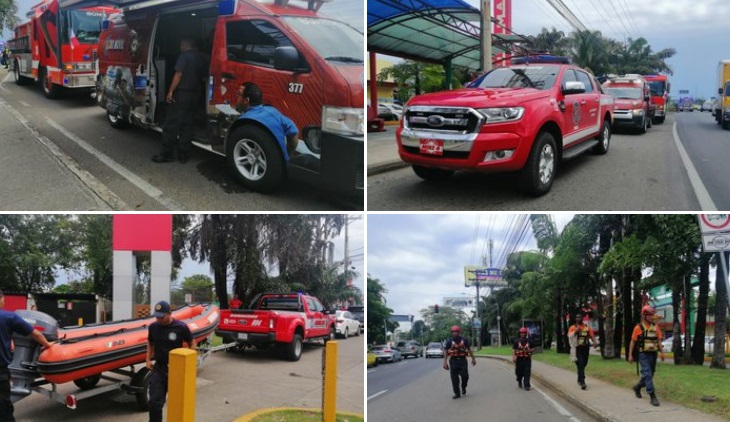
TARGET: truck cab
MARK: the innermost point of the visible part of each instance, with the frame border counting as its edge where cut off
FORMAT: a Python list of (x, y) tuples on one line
[(309, 67), (523, 118), (632, 102)]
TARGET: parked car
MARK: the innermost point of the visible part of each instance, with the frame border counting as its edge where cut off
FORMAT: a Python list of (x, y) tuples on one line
[(372, 359), (709, 345), (434, 350), (359, 313), (410, 348), (390, 111), (346, 324), (385, 353)]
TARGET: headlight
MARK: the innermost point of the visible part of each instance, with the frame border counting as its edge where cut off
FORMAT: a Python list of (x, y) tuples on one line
[(499, 115), (343, 120), (638, 111)]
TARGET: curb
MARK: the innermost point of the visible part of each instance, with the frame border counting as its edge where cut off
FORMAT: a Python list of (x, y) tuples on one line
[(386, 167), (250, 416), (575, 401)]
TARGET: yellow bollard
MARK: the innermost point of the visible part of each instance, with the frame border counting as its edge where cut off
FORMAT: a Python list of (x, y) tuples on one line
[(81, 322), (330, 382), (181, 385)]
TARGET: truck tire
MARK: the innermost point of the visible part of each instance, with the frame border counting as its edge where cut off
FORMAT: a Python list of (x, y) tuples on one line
[(293, 350), (19, 79), (50, 90), (116, 121), (347, 333), (332, 336), (88, 383), (604, 139), (644, 124), (539, 172), (142, 380), (254, 157), (431, 174)]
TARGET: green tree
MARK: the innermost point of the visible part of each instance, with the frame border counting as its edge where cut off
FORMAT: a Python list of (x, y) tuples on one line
[(8, 14), (550, 41), (377, 311), (200, 286)]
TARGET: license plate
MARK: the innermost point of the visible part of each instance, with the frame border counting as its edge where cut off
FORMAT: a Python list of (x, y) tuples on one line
[(432, 146), (243, 336)]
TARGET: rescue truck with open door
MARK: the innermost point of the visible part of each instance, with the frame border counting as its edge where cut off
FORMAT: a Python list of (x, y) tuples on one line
[(55, 47), (308, 66)]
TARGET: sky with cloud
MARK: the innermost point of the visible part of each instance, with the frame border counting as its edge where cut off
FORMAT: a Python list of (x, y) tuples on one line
[(420, 258)]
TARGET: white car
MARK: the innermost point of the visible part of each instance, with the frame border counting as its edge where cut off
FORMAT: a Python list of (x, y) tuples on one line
[(346, 324), (390, 111)]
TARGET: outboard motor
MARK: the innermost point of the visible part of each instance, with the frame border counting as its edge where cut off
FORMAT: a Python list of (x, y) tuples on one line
[(24, 368)]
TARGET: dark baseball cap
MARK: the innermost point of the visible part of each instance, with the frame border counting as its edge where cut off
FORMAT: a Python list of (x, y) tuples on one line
[(161, 309)]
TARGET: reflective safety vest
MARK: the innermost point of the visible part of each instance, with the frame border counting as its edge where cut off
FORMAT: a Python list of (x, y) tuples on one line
[(523, 349), (583, 335), (457, 349), (649, 339)]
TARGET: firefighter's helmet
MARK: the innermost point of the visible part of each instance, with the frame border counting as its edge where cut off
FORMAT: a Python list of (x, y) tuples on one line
[(647, 310), (524, 330), (456, 328)]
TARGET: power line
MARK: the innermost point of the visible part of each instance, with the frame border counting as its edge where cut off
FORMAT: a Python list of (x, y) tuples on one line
[(554, 17), (631, 18), (565, 12)]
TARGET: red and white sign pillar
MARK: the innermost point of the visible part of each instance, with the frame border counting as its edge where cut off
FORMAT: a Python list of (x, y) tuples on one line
[(715, 230), (140, 235), (503, 15)]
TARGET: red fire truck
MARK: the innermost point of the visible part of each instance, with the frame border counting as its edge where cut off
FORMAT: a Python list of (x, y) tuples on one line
[(632, 105), (309, 67), (55, 47), (659, 87)]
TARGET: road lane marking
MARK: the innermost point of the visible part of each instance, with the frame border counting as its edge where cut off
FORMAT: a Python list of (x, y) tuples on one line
[(24, 103), (137, 181), (377, 394), (563, 411), (703, 196), (3, 82), (372, 370), (87, 179)]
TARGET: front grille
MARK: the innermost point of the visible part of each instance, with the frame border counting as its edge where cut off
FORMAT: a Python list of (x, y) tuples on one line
[(443, 119), (447, 154)]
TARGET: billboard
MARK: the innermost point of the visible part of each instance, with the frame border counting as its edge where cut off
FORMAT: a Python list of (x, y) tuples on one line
[(489, 277), (460, 302)]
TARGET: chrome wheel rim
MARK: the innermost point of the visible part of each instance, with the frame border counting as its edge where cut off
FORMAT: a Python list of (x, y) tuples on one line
[(606, 136), (547, 164), (250, 159)]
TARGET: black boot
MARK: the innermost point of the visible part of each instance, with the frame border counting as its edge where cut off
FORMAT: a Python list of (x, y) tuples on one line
[(653, 401), (519, 383), (637, 390)]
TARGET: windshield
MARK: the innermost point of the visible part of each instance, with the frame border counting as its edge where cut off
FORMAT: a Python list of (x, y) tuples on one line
[(625, 93), (657, 88), (538, 77), (727, 89), (86, 26), (333, 40)]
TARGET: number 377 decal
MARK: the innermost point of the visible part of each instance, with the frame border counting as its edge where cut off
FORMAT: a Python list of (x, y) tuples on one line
[(295, 88)]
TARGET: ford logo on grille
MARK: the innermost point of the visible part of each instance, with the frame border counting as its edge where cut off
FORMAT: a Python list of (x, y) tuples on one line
[(435, 120)]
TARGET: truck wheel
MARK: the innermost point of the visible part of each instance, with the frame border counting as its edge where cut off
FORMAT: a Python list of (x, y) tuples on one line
[(604, 139), (649, 122), (642, 130), (50, 90), (539, 171), (332, 336), (142, 380), (116, 121), (19, 79), (431, 174), (88, 383), (347, 333), (294, 349), (255, 159)]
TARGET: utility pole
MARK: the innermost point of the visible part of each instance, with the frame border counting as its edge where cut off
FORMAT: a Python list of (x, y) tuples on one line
[(486, 35)]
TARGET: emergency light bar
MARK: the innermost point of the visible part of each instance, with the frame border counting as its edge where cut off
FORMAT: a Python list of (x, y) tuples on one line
[(541, 58)]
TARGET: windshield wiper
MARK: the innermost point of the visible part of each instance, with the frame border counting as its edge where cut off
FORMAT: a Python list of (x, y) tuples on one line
[(344, 59)]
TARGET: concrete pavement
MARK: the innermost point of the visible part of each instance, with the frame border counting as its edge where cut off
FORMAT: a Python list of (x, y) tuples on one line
[(609, 403), (61, 185), (383, 152)]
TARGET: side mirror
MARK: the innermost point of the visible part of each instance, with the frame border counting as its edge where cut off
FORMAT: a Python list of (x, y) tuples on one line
[(286, 58), (719, 91), (573, 87)]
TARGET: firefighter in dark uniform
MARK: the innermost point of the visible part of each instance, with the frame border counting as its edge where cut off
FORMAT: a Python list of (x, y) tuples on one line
[(647, 337), (585, 338), (457, 349), (521, 356)]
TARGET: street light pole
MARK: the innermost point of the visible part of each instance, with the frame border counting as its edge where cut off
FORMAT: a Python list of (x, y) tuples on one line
[(499, 327)]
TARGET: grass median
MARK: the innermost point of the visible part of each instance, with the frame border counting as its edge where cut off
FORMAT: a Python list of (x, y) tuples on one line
[(302, 416), (685, 385)]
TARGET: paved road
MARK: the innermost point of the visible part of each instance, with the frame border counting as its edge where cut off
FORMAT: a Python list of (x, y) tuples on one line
[(708, 146), (121, 161), (228, 386), (640, 172), (419, 390)]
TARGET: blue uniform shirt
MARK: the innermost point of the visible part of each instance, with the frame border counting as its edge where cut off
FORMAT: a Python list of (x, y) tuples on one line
[(10, 323), (279, 125)]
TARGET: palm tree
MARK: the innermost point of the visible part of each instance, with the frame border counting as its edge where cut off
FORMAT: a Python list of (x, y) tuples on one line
[(549, 41), (588, 49)]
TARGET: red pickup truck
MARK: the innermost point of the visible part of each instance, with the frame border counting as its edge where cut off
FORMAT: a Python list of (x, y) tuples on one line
[(283, 320), (522, 118)]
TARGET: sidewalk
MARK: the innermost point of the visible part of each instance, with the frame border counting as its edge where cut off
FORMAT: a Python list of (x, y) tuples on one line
[(607, 402), (383, 152), (36, 174)]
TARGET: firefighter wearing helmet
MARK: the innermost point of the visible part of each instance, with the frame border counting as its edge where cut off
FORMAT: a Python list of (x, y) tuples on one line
[(581, 337), (521, 356), (457, 350), (646, 341)]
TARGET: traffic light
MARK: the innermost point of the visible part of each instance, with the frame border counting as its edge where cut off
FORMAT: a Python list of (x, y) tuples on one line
[(435, 309)]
